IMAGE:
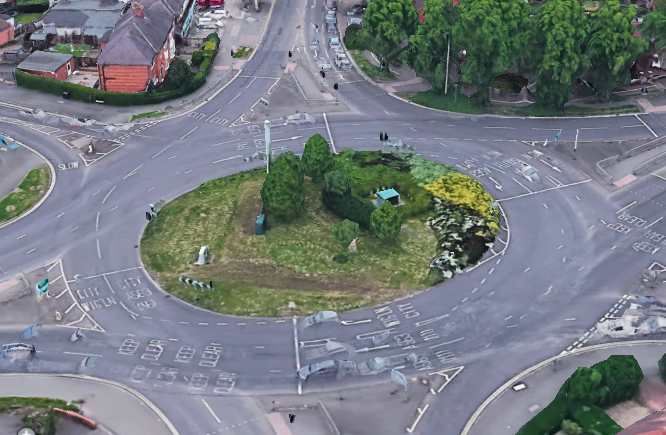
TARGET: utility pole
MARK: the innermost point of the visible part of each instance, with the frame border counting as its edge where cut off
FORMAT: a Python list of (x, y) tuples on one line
[(576, 144), (446, 84)]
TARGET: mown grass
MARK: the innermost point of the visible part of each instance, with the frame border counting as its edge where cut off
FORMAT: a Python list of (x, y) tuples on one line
[(78, 51), (41, 406), (26, 18), (259, 275), (30, 190), (242, 52), (374, 72), (154, 114)]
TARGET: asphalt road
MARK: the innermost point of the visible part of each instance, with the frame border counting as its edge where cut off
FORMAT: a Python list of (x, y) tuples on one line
[(562, 271)]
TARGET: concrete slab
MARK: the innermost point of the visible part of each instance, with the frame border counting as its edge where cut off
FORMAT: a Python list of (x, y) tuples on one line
[(239, 64)]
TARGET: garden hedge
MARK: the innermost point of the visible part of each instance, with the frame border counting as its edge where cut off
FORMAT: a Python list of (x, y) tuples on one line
[(349, 207), (593, 419), (622, 375), (549, 420), (420, 200)]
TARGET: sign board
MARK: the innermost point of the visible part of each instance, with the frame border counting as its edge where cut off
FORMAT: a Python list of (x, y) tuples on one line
[(42, 289)]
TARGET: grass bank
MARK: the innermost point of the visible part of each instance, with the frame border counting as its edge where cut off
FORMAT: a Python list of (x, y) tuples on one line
[(30, 190), (154, 114), (259, 275), (464, 104), (37, 408), (374, 72)]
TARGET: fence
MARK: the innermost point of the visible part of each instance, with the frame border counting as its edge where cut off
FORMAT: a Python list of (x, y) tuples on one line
[(630, 153)]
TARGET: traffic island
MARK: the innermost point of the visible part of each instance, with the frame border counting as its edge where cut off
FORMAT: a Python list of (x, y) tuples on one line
[(447, 224), (26, 195), (20, 412)]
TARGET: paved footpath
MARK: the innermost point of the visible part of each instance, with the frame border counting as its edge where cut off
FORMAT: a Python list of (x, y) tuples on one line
[(118, 409), (512, 409)]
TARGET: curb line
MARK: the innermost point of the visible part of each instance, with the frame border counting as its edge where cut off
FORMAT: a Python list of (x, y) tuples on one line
[(127, 389), (539, 366), (52, 182)]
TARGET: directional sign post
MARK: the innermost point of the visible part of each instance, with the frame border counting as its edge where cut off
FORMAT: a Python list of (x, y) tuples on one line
[(42, 289)]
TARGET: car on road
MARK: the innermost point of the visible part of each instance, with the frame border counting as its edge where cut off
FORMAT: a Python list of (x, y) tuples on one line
[(374, 366), (15, 54), (331, 28), (328, 367), (333, 43), (356, 9), (528, 172), (18, 351), (320, 317), (519, 386)]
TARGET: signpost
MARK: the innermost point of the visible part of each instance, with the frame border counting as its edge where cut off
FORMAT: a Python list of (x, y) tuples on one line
[(42, 289)]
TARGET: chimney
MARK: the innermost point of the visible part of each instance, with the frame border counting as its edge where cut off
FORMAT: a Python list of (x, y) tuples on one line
[(137, 9)]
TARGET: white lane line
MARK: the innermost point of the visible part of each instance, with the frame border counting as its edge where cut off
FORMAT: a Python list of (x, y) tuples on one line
[(75, 228), (629, 126), (97, 222), (32, 250), (654, 222), (222, 143), (434, 319), (187, 172), (132, 173), (505, 128), (169, 146), (276, 371), (228, 158), (541, 191), (211, 410), (83, 354), (70, 307), (592, 128), (61, 214), (521, 184), (298, 357), (114, 208), (20, 237), (107, 195), (549, 289), (626, 207), (328, 129), (173, 157), (188, 133), (448, 342), (99, 254), (646, 126), (211, 116)]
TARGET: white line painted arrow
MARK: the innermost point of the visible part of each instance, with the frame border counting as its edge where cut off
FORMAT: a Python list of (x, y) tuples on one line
[(358, 322), (551, 166), (287, 138), (497, 185)]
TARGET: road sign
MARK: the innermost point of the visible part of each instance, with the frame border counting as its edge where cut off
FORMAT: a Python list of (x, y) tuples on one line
[(42, 289)]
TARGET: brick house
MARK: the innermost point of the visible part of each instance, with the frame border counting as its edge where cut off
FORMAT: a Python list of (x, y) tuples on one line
[(139, 51), (6, 32), (182, 11), (53, 65), (82, 21)]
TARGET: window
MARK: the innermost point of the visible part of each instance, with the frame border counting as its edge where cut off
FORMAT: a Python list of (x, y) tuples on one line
[(69, 69), (155, 80), (162, 73), (166, 49)]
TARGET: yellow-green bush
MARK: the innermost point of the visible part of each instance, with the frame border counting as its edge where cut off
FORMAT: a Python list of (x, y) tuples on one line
[(463, 190), (210, 45)]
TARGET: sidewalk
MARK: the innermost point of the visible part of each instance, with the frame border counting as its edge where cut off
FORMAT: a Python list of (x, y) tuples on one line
[(407, 80), (118, 410), (509, 410)]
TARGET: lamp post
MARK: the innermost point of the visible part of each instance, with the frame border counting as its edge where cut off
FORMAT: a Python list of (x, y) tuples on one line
[(267, 137)]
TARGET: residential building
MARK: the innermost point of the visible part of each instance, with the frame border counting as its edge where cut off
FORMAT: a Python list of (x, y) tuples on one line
[(8, 18), (182, 11), (6, 32), (53, 65), (82, 21), (139, 51)]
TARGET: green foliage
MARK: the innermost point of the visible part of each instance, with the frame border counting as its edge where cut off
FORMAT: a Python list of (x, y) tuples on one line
[(572, 428), (349, 207), (197, 58), (206, 66), (653, 30), (612, 47), (345, 232), (386, 24), (420, 200), (282, 194), (294, 163), (209, 46), (386, 222), (351, 39), (426, 171), (431, 43), (348, 154), (561, 27), (622, 375), (495, 34), (548, 420), (662, 367), (593, 419), (585, 387), (178, 74), (337, 184), (213, 37), (31, 6), (317, 157)]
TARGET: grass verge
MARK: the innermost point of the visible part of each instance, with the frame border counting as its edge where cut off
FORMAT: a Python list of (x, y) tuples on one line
[(469, 105), (26, 18), (154, 114), (376, 74), (259, 275), (78, 51), (242, 52), (38, 409), (26, 195)]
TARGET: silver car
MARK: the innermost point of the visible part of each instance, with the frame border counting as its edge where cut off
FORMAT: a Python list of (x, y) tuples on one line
[(528, 172), (320, 317), (328, 367), (18, 351), (374, 366)]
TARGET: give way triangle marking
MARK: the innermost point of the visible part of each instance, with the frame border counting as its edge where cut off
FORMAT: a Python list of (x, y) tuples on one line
[(448, 376)]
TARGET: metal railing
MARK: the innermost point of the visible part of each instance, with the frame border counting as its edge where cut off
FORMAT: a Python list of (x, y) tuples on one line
[(600, 165)]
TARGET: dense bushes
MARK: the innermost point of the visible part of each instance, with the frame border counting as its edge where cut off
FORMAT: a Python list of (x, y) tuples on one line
[(593, 419), (622, 376), (419, 200), (349, 207), (548, 420)]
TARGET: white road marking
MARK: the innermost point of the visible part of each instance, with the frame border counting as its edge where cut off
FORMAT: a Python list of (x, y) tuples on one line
[(626, 207), (646, 126), (132, 173), (505, 128), (222, 143), (32, 250), (99, 254), (61, 214), (107, 195), (448, 342), (169, 146), (434, 319), (654, 222), (549, 289), (521, 184), (298, 358), (233, 99), (97, 222), (541, 191), (228, 158), (83, 354), (20, 237), (527, 269), (188, 133), (211, 410)]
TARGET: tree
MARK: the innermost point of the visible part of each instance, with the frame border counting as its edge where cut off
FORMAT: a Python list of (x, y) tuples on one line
[(386, 222), (585, 386), (317, 157), (294, 163), (178, 74), (433, 41), (337, 183), (344, 233), (282, 194), (561, 27), (387, 26), (612, 47), (495, 35), (653, 30)]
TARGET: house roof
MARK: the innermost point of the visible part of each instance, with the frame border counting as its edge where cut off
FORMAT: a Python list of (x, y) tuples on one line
[(172, 7), (38, 36), (106, 35), (135, 40), (93, 16), (388, 193), (4, 17), (4, 25), (45, 62)]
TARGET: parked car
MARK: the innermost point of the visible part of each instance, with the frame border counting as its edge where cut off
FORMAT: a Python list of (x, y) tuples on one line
[(355, 22), (331, 28), (374, 366), (341, 61), (528, 172), (519, 386), (356, 9), (328, 367), (332, 5), (15, 54), (329, 19), (333, 42), (18, 351), (320, 317)]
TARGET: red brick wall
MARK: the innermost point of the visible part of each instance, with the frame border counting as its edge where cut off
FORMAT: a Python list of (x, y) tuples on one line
[(123, 78), (6, 35), (60, 74)]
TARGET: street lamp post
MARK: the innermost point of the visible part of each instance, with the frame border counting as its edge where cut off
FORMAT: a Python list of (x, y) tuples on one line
[(267, 137)]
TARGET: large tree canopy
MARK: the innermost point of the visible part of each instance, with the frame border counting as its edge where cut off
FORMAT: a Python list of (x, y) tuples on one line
[(431, 43), (387, 26), (494, 34), (561, 27), (612, 47), (653, 30)]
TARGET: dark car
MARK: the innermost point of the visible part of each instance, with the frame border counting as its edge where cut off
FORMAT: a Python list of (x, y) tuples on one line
[(15, 54), (356, 9), (10, 13)]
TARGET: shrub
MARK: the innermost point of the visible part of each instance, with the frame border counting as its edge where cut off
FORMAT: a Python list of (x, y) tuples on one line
[(386, 222), (622, 375), (426, 171), (593, 419), (282, 193), (571, 428), (662, 367), (547, 421), (349, 207), (351, 40), (345, 232), (197, 58), (337, 184), (206, 66), (585, 387), (294, 163), (210, 45), (178, 74), (317, 157), (213, 37)]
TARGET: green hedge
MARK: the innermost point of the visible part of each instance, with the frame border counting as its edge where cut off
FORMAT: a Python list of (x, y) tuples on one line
[(91, 95), (349, 207), (549, 420), (420, 200), (621, 375), (31, 6), (593, 419)]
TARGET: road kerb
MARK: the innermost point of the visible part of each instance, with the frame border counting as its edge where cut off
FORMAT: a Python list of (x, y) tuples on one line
[(52, 182), (539, 366), (125, 388)]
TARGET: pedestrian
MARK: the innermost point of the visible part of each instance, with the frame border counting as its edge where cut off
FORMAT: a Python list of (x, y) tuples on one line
[(232, 53)]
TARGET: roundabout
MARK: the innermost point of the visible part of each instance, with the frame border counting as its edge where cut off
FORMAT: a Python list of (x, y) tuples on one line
[(559, 261)]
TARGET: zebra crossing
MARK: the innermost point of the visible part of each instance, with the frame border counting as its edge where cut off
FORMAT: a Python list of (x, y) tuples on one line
[(133, 132)]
